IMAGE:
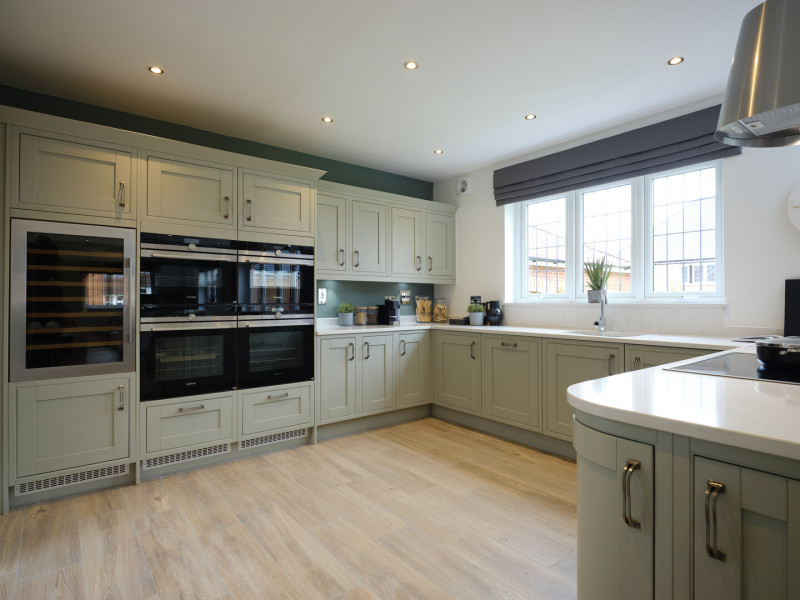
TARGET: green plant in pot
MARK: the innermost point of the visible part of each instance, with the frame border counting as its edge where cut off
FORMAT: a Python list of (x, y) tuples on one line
[(345, 311), (475, 314), (597, 274)]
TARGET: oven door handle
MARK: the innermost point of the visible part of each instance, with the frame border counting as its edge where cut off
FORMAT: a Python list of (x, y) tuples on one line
[(284, 322), (273, 260), (188, 326), (147, 253)]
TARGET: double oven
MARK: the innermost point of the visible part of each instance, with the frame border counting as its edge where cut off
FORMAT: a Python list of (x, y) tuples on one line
[(219, 315)]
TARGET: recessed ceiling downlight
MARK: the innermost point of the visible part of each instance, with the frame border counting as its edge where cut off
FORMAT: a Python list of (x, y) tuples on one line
[(530, 117), (411, 65), (438, 151), (675, 60), (327, 119), (156, 70)]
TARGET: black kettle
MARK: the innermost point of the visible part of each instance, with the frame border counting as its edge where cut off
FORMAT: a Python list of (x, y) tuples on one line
[(494, 314)]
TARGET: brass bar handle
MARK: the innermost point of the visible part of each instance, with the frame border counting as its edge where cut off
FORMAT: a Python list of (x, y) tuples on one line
[(430, 264), (191, 408), (636, 361), (403, 352), (713, 491), (419, 263), (352, 348), (121, 392), (356, 258), (610, 362), (122, 187), (472, 350), (227, 207), (509, 344), (366, 344), (627, 511), (278, 397), (249, 203), (341, 257)]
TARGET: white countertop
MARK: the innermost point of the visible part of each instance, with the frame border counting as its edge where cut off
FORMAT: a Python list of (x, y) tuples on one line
[(758, 415)]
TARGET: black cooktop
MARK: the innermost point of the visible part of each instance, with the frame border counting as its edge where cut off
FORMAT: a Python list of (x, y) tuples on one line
[(741, 366)]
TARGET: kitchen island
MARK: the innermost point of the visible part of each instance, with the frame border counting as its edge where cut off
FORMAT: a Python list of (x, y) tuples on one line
[(688, 486)]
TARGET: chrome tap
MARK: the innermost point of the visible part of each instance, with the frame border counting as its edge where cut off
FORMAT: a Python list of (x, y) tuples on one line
[(601, 322)]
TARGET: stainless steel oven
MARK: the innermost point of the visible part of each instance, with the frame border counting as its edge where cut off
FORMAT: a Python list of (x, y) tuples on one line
[(272, 352), (182, 276), (186, 358)]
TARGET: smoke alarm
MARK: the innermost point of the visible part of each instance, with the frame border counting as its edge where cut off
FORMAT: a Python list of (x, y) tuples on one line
[(463, 187)]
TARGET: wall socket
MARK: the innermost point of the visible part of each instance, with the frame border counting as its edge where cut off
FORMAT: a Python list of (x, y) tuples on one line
[(322, 295), (390, 297)]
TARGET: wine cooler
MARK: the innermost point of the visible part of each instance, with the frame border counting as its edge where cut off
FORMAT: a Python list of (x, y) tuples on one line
[(72, 297)]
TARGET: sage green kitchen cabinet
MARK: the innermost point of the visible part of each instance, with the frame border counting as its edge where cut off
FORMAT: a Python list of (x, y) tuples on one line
[(616, 519), (457, 371), (408, 252), (376, 374), (440, 245), (412, 352), (511, 381), (190, 192), (337, 378), (331, 249), (75, 177), (368, 247), (567, 363), (189, 422), (746, 533), (275, 408), (62, 424), (275, 205), (639, 357)]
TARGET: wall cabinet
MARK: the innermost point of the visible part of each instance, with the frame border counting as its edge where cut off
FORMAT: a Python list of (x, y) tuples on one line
[(412, 373), (616, 489), (567, 363), (644, 357), (188, 422), (457, 371), (440, 244), (63, 424), (368, 238), (511, 381), (75, 177), (746, 532), (423, 243), (274, 409), (331, 250), (277, 206)]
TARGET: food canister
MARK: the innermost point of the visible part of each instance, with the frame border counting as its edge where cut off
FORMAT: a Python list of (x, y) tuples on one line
[(360, 315), (423, 309), (440, 311), (372, 315)]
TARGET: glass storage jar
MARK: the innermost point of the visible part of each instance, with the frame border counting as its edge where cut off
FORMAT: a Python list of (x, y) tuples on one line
[(372, 315), (360, 315), (423, 309), (440, 311)]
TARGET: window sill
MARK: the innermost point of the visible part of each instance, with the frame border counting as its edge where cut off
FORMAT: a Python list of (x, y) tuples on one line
[(652, 302)]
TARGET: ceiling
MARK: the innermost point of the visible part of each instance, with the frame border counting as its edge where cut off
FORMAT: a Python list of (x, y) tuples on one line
[(269, 70)]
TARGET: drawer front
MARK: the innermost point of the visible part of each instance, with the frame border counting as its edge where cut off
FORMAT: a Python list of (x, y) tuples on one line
[(275, 409), (181, 424)]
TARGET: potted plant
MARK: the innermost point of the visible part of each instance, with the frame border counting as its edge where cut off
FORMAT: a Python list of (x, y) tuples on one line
[(345, 311), (475, 314), (597, 273)]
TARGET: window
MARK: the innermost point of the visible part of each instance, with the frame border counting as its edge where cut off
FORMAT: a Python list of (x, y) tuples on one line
[(660, 234)]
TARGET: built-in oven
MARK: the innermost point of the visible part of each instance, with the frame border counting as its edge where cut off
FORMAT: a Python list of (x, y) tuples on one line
[(182, 276), (273, 351), (275, 280), (186, 358)]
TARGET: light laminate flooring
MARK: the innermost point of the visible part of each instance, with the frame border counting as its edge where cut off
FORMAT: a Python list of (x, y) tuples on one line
[(425, 510)]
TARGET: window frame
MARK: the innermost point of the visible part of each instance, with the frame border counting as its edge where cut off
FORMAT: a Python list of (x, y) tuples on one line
[(641, 244)]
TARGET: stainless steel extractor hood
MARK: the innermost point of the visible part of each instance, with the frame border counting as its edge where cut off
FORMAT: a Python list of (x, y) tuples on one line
[(762, 101)]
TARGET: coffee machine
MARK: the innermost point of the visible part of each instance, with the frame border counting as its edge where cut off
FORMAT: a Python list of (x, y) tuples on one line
[(389, 313)]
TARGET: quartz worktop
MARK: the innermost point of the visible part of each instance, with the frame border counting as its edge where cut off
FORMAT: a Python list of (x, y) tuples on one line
[(763, 416)]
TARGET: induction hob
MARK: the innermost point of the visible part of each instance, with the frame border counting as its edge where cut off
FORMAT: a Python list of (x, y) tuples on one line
[(741, 366)]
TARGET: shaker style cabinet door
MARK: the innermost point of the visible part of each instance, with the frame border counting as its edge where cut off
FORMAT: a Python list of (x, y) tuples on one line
[(275, 205), (412, 360), (368, 234), (200, 421), (276, 408), (189, 192), (377, 373), (457, 371), (62, 176), (644, 357), (440, 244), (337, 376), (331, 253), (511, 381), (408, 253)]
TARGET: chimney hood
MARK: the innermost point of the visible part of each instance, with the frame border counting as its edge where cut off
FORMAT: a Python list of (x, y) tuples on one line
[(762, 102)]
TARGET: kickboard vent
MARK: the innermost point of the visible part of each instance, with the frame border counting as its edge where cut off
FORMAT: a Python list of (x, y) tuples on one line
[(271, 439), (185, 456), (51, 483)]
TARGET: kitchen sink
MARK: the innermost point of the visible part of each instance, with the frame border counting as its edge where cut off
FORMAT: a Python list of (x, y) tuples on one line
[(604, 333)]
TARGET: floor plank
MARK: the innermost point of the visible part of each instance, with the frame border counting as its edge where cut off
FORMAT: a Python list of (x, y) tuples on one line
[(10, 539), (49, 539), (64, 584)]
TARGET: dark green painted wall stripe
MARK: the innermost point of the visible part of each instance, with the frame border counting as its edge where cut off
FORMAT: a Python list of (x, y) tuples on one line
[(336, 171)]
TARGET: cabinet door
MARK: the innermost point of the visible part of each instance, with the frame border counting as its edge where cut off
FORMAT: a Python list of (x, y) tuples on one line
[(511, 383), (377, 373), (457, 371), (368, 248), (189, 192), (61, 426), (644, 357), (280, 206), (412, 368), (746, 533), (408, 253), (337, 376), (276, 408), (331, 250), (566, 364), (616, 520), (65, 176), (440, 243), (200, 421)]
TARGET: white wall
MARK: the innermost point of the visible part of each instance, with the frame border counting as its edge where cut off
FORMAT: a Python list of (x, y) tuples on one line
[(761, 250)]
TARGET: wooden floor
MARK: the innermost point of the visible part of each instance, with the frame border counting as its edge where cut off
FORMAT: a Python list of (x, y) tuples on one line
[(422, 510)]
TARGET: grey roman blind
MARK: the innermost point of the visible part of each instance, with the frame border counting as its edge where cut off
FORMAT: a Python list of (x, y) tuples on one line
[(678, 142)]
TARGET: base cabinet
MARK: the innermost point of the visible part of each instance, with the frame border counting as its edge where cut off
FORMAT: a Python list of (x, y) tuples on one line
[(70, 423), (412, 372), (644, 357), (276, 408), (188, 422), (511, 381), (457, 371)]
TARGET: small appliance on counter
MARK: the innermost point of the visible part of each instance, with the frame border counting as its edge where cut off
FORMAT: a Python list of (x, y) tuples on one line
[(791, 319), (494, 314), (389, 313)]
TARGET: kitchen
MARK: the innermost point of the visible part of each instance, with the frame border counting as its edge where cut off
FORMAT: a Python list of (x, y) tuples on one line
[(757, 238)]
